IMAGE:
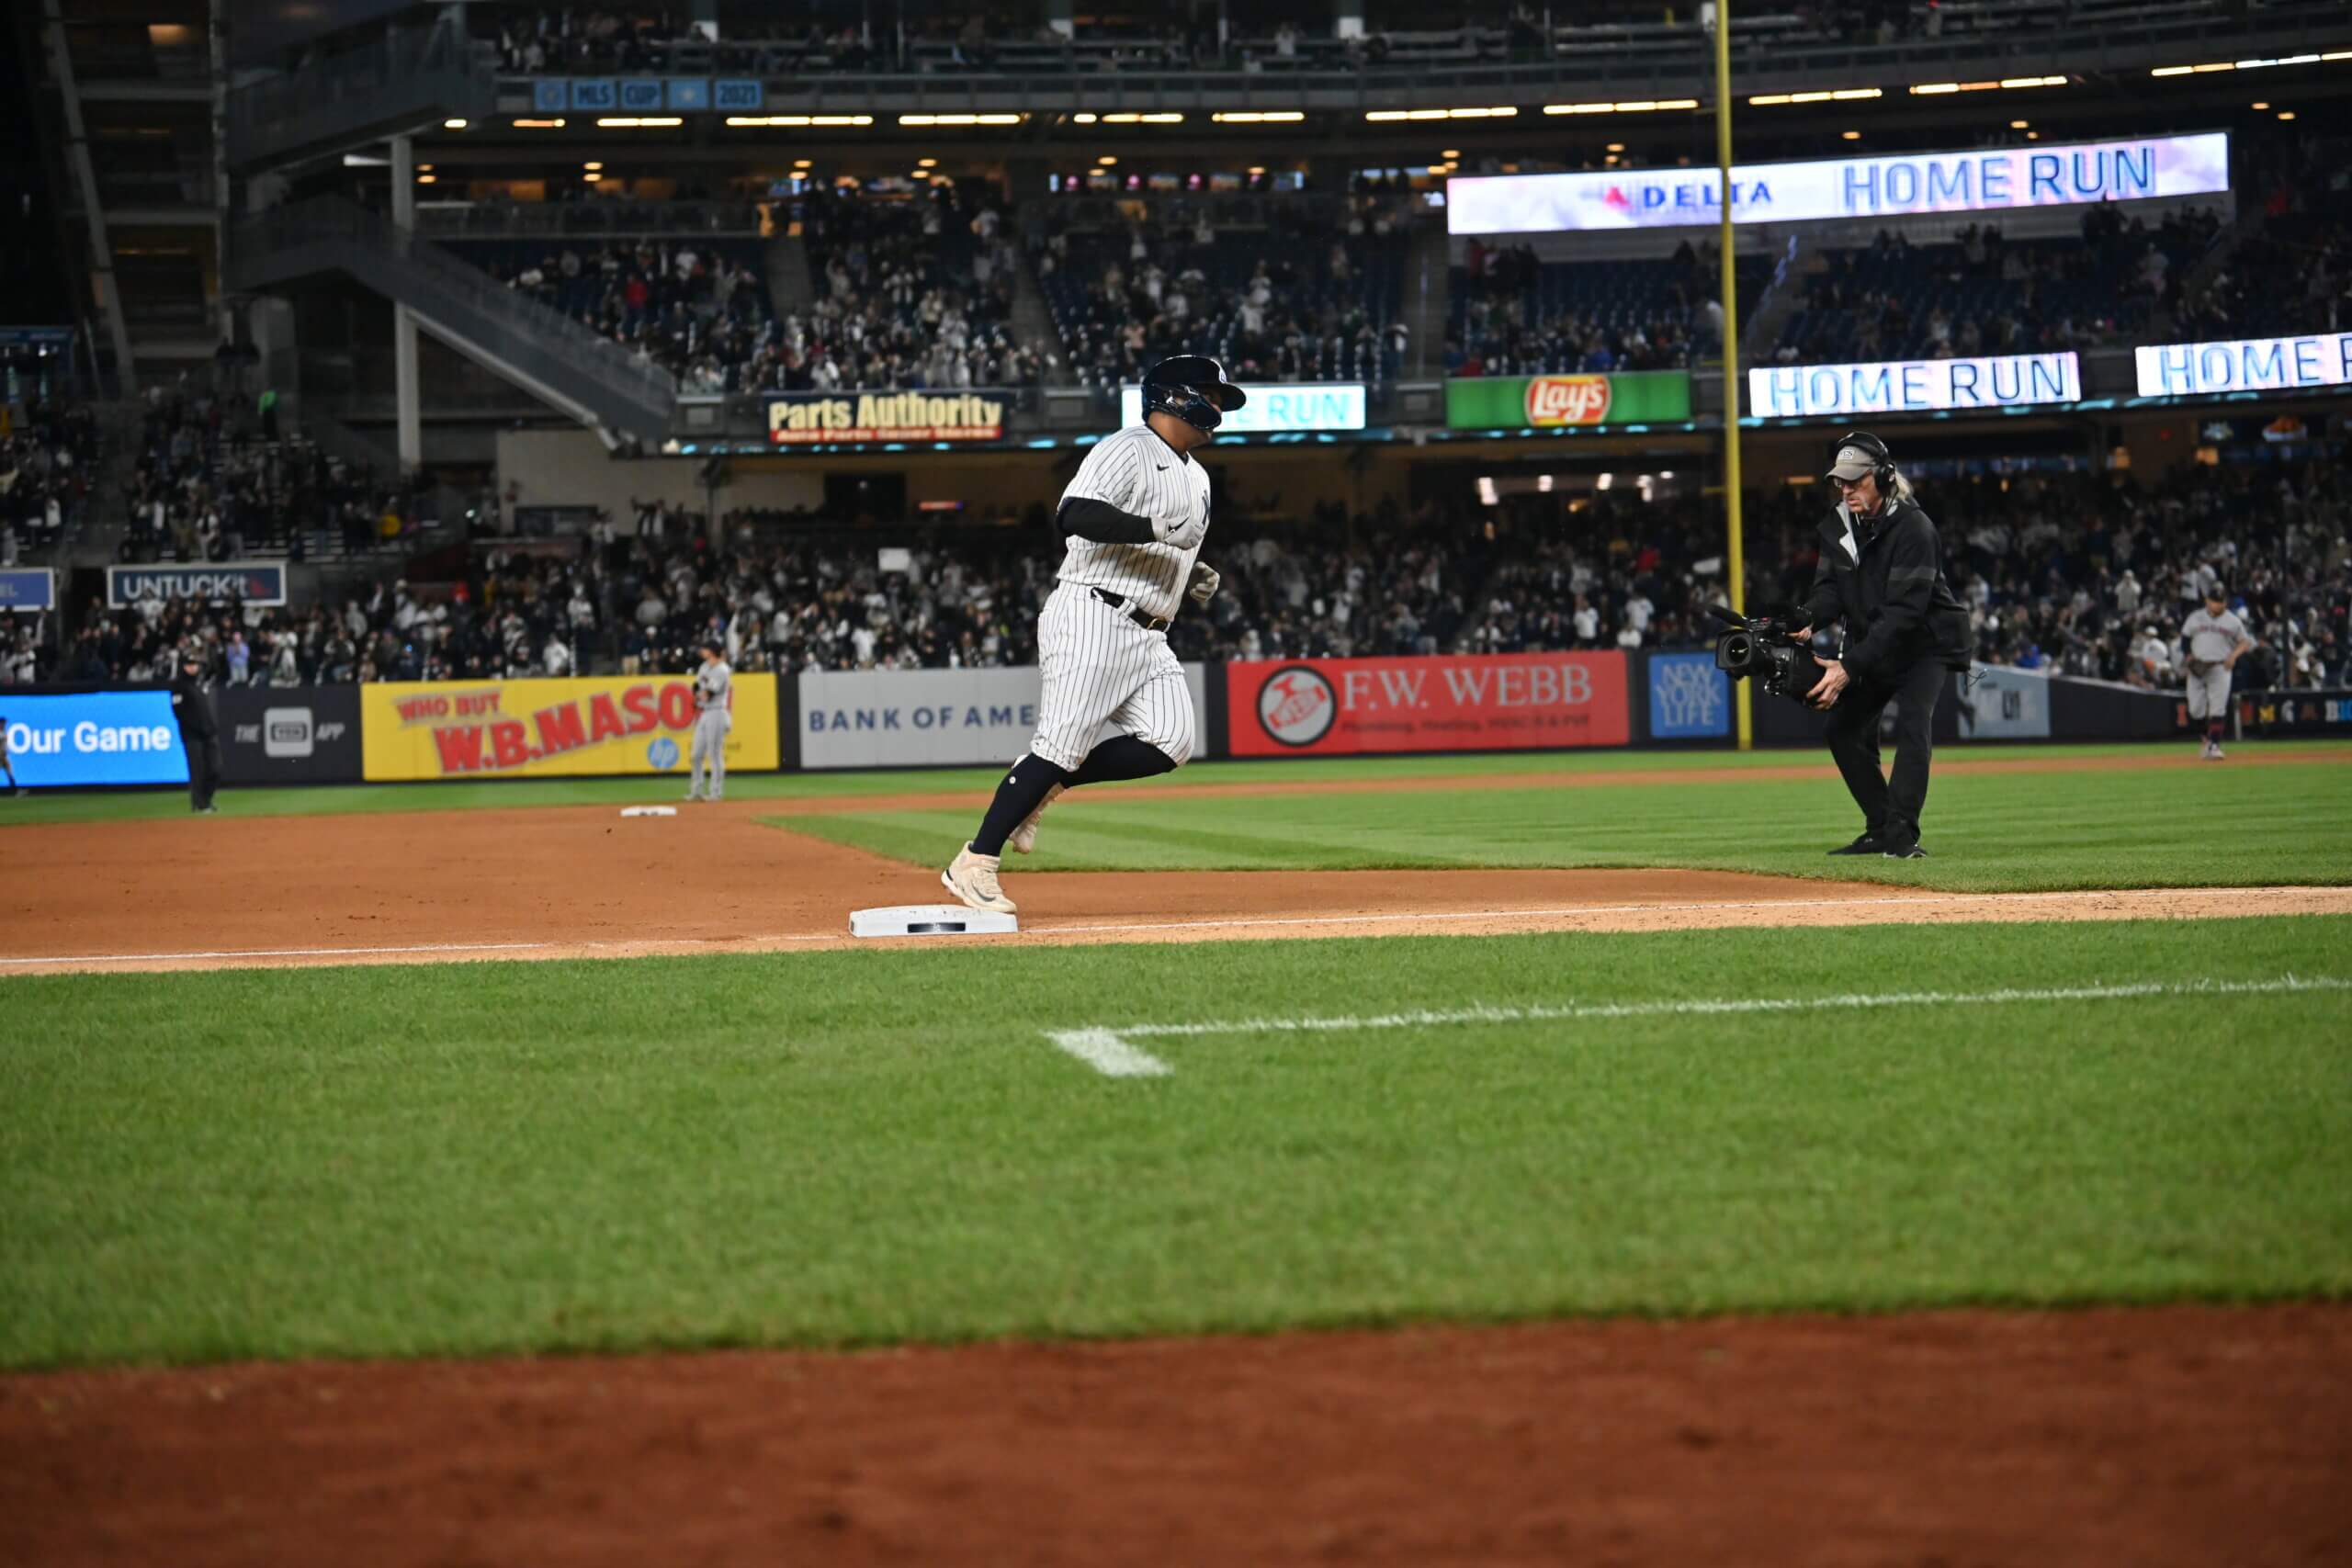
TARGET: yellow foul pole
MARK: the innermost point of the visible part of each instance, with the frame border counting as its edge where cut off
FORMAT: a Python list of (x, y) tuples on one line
[(1735, 563)]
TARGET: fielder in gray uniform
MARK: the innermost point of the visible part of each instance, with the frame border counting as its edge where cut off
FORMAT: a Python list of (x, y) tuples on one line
[(713, 716), (1134, 516), (2212, 640)]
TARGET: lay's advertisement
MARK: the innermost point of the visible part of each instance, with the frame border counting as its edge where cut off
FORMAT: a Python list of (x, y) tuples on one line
[(552, 729)]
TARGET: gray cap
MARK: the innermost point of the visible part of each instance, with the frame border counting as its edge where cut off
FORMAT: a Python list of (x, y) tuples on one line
[(1852, 463)]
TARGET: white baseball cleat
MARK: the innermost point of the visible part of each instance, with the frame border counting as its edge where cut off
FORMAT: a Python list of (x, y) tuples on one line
[(1025, 837), (972, 878), (2213, 752)]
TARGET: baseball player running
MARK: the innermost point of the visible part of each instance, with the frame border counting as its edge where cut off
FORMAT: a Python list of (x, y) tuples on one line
[(1134, 516), (2213, 639), (713, 716)]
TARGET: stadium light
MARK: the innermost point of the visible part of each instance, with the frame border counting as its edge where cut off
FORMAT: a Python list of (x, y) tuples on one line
[(1629, 105), (453, 125), (926, 162), (426, 179), (2260, 106), (1259, 117), (1130, 117), (1504, 113), (1933, 89), (787, 120), (2286, 113), (1850, 136), (961, 118), (2211, 66), (1843, 95), (1082, 119), (2018, 124), (539, 125), (1613, 147), (635, 122), (424, 168), (593, 166)]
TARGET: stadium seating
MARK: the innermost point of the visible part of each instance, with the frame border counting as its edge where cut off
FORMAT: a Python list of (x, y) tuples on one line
[(697, 305), (48, 469), (1517, 316), (1982, 294), (1287, 302)]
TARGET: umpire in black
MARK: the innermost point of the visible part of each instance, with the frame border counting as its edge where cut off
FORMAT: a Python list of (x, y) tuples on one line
[(1881, 570), (199, 730)]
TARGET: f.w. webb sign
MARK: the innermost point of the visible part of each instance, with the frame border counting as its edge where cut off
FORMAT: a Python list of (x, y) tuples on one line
[(1478, 703)]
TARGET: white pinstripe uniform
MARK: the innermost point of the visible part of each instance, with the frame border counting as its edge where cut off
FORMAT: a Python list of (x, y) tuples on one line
[(1099, 666)]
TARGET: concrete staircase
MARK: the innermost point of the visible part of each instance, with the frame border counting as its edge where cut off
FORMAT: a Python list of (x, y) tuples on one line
[(1033, 322), (790, 284), (1768, 315), (1427, 293)]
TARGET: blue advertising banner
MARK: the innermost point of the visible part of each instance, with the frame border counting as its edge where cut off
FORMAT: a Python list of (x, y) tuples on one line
[(551, 94), (598, 93), (253, 582), (28, 587), (689, 93), (738, 95), (94, 738), (1689, 698), (638, 94)]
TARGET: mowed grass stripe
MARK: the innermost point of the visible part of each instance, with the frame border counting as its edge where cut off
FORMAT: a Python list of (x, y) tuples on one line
[(1541, 770), (863, 1147), (2001, 832)]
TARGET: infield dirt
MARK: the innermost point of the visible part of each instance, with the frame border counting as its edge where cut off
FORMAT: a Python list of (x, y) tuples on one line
[(2164, 1436), (570, 882)]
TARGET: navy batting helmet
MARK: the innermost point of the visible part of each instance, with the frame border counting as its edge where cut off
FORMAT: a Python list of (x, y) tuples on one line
[(1192, 387)]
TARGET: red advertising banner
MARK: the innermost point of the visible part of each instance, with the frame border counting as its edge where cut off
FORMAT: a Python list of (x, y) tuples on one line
[(1473, 702)]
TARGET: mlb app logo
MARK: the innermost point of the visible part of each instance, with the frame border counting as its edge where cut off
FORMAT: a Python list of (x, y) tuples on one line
[(287, 732)]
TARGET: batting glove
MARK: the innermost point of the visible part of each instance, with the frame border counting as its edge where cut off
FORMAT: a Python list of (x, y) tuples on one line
[(1203, 585)]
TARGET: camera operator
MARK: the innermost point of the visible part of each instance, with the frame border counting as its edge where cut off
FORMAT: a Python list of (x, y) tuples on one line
[(1881, 569)]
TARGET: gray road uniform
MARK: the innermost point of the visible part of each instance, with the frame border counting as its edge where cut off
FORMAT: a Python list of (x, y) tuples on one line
[(2207, 640), (713, 716)]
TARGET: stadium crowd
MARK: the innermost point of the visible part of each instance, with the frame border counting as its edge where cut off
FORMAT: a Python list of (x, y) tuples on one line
[(1982, 293), (1306, 293), (2081, 575), (211, 484), (47, 465)]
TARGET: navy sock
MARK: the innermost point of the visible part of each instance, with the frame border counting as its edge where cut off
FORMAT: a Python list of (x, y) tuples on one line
[(1122, 757), (1024, 785)]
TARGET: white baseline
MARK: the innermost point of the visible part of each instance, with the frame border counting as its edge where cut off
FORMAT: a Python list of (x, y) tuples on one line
[(1108, 1051)]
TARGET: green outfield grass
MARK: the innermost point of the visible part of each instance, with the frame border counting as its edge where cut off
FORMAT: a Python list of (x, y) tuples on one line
[(859, 1148), (1986, 832), (1539, 768)]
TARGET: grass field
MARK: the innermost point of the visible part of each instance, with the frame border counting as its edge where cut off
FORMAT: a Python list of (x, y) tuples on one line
[(854, 1147), (1986, 832)]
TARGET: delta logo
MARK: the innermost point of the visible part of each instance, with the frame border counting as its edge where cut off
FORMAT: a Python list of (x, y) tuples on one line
[(1567, 399)]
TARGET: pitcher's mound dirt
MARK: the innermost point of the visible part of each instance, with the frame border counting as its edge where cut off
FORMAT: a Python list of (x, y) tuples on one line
[(2176, 1436)]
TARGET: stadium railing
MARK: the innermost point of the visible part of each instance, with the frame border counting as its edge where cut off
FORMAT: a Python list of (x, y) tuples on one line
[(570, 361)]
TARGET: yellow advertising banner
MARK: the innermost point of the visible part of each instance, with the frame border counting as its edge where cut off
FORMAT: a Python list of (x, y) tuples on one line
[(548, 728)]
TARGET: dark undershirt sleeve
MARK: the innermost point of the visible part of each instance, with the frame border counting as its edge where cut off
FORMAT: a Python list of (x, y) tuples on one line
[(1104, 524)]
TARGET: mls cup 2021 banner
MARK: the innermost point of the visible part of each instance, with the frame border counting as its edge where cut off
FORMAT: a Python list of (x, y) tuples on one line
[(551, 727), (1476, 703)]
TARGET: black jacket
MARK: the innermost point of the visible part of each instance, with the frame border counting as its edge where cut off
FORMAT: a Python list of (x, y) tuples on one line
[(1896, 605), (193, 708)]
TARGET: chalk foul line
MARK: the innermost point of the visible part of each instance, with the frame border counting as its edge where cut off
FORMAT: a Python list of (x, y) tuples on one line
[(1109, 1051)]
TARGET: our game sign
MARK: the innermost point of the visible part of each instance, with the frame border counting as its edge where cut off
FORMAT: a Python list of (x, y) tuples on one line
[(1473, 702), (541, 728), (811, 418), (1499, 402)]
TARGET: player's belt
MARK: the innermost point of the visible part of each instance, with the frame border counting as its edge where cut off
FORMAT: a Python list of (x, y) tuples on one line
[(1127, 608)]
